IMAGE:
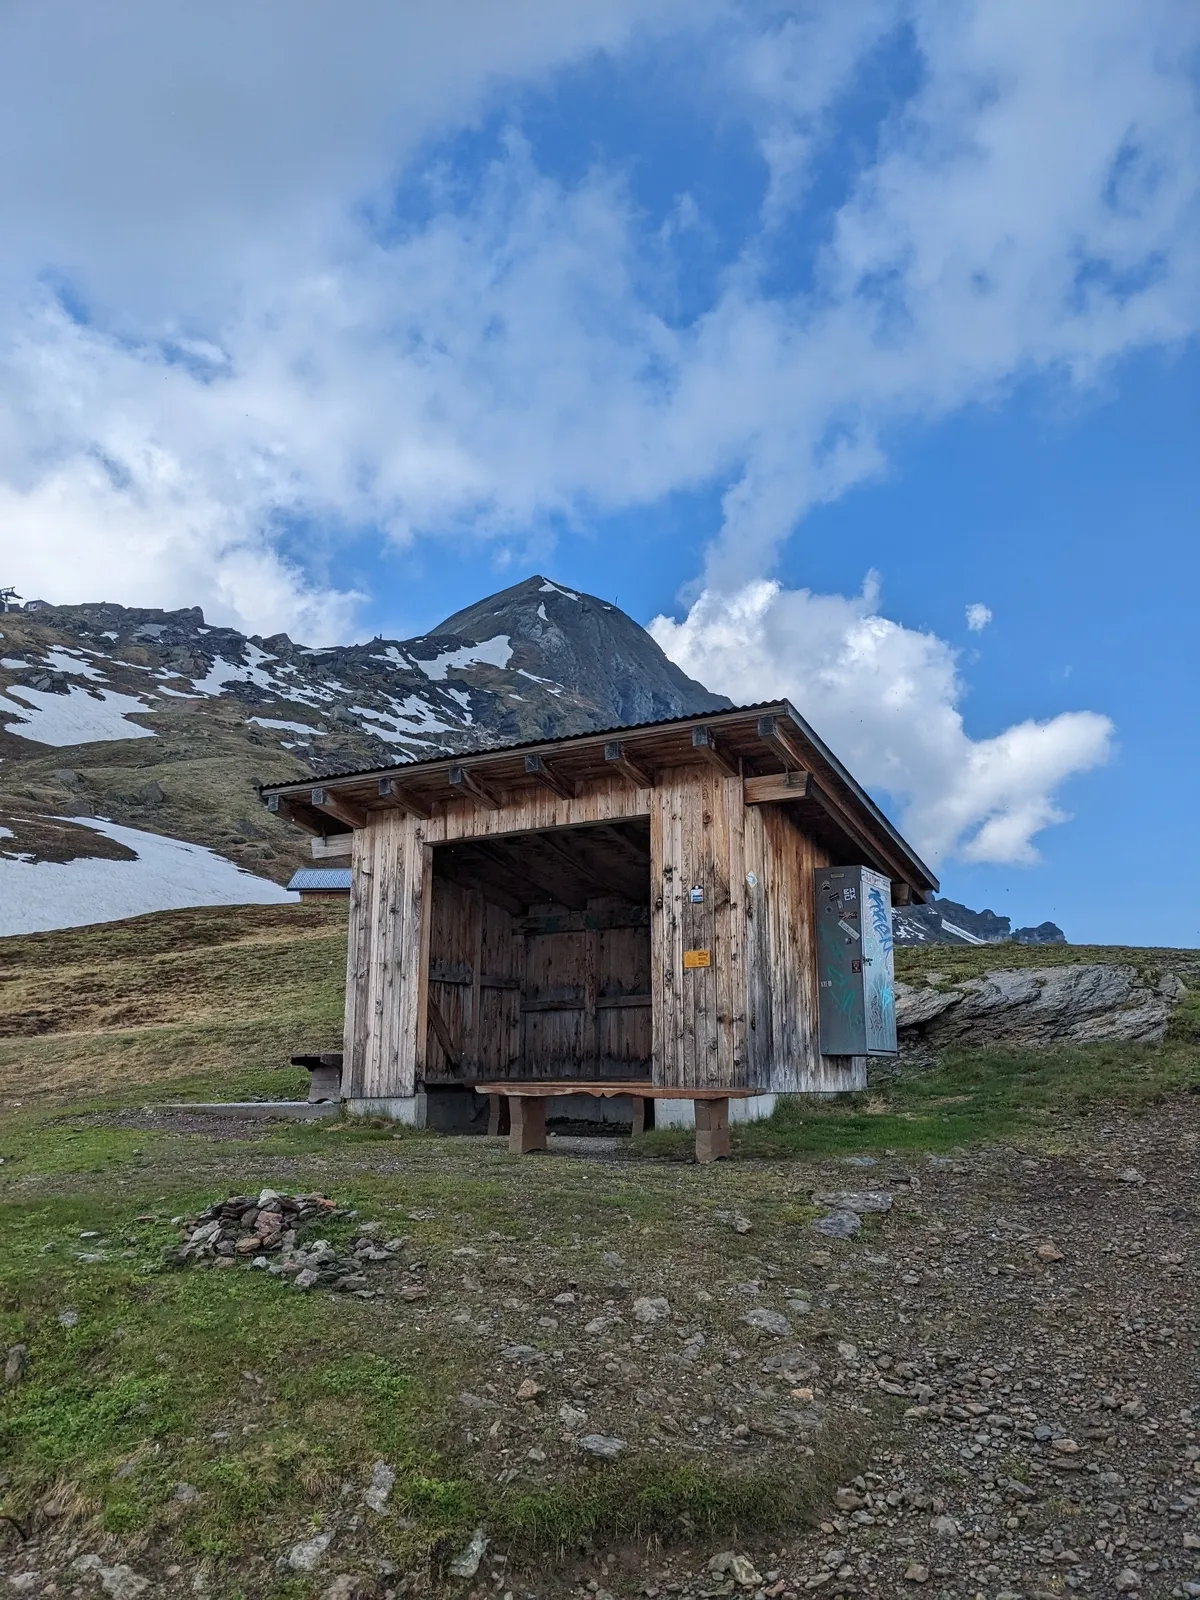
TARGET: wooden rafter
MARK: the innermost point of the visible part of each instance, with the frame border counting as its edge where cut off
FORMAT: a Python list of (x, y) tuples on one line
[(396, 795), (535, 767), (464, 781), (335, 806), (617, 760), (706, 747)]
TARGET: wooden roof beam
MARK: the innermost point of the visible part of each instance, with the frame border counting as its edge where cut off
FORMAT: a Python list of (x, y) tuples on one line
[(402, 798), (705, 746), (775, 733), (334, 806), (777, 786), (294, 810), (535, 767), (465, 783), (616, 760)]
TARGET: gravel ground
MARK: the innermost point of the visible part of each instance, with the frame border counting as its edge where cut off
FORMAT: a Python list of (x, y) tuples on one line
[(1014, 1342)]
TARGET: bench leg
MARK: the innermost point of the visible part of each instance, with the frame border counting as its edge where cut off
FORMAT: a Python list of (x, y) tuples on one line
[(527, 1130), (498, 1122), (325, 1083), (639, 1114), (712, 1129)]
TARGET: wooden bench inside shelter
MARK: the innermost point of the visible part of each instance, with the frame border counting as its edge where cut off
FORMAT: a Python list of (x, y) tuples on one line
[(527, 1110), (325, 1082)]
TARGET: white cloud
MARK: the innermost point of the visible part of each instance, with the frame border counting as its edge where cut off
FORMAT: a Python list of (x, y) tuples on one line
[(886, 699), (255, 356), (978, 617)]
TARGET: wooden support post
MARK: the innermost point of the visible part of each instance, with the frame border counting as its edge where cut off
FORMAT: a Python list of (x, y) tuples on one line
[(704, 745), (639, 1115), (498, 1117), (535, 767), (625, 767), (527, 1130), (466, 784), (712, 1129)]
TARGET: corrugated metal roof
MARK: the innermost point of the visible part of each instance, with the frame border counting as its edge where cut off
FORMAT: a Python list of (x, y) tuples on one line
[(327, 880), (725, 715), (445, 756)]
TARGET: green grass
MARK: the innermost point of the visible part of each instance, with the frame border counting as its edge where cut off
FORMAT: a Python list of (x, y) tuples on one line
[(973, 1096), (124, 1405)]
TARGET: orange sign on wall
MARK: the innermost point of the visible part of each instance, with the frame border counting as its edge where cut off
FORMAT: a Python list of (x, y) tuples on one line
[(696, 958)]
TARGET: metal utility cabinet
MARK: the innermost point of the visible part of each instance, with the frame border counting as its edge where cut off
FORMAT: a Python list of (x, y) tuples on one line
[(856, 983)]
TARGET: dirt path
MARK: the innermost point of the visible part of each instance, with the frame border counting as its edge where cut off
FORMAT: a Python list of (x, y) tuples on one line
[(1014, 1343)]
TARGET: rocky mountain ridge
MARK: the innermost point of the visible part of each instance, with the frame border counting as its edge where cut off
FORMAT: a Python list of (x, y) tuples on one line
[(119, 723), (949, 922)]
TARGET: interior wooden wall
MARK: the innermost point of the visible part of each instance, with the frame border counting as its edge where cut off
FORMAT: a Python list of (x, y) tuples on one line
[(781, 969)]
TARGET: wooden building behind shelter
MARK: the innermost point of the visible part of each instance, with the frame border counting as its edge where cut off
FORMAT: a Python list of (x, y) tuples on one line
[(632, 905)]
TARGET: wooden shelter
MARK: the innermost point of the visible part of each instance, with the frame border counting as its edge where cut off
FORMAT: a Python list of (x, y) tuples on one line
[(625, 907)]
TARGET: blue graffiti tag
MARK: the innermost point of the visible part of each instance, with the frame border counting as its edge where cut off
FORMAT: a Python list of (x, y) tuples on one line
[(880, 919)]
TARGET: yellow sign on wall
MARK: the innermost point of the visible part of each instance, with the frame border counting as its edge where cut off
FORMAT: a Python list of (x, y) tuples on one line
[(696, 958)]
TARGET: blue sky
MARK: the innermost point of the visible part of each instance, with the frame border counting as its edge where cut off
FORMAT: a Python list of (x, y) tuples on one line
[(796, 329)]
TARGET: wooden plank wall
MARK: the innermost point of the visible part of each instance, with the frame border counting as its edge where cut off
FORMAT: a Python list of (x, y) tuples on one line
[(586, 1001), (574, 1003), (387, 960), (781, 953), (699, 1014), (474, 980)]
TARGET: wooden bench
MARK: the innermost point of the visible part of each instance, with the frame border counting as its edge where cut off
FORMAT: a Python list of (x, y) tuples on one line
[(326, 1080), (527, 1110)]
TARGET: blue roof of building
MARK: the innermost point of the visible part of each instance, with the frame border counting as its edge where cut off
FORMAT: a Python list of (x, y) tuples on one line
[(327, 880)]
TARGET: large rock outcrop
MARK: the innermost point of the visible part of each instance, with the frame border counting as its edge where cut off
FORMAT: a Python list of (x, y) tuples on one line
[(1037, 1006)]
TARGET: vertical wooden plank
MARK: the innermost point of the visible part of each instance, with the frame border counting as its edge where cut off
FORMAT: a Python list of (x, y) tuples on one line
[(591, 1037), (357, 965), (662, 1069), (474, 1032)]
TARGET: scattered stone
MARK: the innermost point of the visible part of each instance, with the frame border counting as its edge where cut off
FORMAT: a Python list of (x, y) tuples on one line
[(738, 1567), (865, 1200), (383, 1480), (571, 1417), (529, 1390), (1130, 1175), (768, 1322), (651, 1308), (69, 1319), (466, 1564), (1049, 1252), (16, 1363), (346, 1586), (916, 1573), (1127, 1580), (838, 1224), (186, 1493), (602, 1445), (306, 1278), (308, 1553)]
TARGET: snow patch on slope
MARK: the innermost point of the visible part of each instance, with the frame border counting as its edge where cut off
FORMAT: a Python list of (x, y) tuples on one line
[(76, 717), (168, 875), (496, 652)]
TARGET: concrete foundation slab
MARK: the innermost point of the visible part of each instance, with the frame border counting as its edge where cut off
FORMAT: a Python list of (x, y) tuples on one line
[(259, 1110)]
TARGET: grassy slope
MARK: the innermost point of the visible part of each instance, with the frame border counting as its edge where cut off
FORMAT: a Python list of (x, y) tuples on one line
[(209, 1001), (123, 1405)]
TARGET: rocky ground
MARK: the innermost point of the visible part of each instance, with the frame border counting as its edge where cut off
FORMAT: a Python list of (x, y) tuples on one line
[(993, 1383)]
